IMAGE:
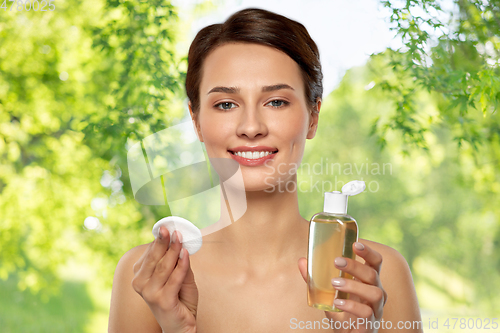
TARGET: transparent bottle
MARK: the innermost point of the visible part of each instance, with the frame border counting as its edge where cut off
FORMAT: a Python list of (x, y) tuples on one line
[(331, 234)]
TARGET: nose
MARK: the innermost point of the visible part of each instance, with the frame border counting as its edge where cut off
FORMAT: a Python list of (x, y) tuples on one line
[(251, 123)]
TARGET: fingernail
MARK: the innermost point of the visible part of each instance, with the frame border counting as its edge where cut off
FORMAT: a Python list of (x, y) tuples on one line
[(339, 302), (160, 234), (181, 254), (359, 246), (338, 282), (341, 262), (179, 236), (174, 236)]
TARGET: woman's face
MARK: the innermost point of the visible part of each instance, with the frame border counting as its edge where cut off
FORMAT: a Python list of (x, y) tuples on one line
[(252, 98)]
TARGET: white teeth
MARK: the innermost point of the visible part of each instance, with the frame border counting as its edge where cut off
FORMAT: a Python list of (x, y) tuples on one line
[(252, 155)]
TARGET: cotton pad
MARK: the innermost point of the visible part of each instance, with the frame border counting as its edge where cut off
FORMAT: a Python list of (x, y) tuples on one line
[(191, 235)]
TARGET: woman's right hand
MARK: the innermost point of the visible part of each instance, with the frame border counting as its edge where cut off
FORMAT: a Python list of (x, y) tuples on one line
[(166, 282)]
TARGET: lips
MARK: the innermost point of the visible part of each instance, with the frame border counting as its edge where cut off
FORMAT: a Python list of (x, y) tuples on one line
[(252, 156), (254, 148)]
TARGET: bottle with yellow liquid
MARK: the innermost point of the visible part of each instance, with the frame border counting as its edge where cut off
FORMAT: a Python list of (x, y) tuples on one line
[(331, 234)]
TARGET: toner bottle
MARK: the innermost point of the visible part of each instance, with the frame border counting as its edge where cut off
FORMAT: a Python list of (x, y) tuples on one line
[(331, 234)]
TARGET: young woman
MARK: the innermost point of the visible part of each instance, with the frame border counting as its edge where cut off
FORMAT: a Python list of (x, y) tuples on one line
[(254, 84)]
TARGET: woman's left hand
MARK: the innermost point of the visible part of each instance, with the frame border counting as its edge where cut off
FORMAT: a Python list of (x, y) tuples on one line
[(362, 312)]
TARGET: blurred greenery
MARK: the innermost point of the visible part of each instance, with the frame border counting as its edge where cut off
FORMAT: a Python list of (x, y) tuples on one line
[(69, 311), (453, 53), (80, 85)]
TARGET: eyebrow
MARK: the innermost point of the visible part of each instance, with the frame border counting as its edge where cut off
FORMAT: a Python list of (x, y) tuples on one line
[(234, 90)]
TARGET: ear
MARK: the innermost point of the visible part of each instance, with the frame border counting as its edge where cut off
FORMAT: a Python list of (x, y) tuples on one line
[(194, 119), (313, 120)]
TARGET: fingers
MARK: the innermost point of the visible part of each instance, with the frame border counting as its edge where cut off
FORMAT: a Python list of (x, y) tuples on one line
[(189, 275), (303, 267), (166, 236), (358, 309), (368, 286), (372, 258), (166, 265), (367, 272), (371, 294), (178, 276), (360, 271), (150, 259)]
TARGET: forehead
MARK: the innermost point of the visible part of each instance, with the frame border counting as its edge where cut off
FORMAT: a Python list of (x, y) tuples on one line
[(249, 66)]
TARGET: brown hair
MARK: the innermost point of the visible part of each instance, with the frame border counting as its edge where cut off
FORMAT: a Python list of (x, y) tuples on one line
[(254, 25)]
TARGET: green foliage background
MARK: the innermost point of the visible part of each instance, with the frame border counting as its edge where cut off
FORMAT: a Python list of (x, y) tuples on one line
[(80, 84)]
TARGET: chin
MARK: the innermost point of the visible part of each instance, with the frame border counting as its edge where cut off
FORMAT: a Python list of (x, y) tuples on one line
[(263, 182)]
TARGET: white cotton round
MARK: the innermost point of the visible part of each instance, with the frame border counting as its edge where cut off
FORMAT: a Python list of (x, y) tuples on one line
[(191, 235)]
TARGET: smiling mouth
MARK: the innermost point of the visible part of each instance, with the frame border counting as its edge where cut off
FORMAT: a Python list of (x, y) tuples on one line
[(253, 155)]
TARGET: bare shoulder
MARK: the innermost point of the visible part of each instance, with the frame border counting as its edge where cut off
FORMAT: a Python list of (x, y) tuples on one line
[(397, 281), (134, 254), (395, 268), (390, 256), (128, 311)]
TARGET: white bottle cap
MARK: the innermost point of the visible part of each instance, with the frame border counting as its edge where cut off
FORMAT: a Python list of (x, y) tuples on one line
[(336, 201)]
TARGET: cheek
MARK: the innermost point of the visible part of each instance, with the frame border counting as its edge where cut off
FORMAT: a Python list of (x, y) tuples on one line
[(215, 131), (293, 129)]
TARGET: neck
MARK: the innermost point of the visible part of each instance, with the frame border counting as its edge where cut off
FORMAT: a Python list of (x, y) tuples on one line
[(271, 230)]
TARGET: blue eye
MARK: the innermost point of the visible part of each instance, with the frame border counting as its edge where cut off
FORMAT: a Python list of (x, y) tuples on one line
[(277, 103), (283, 103), (223, 105)]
